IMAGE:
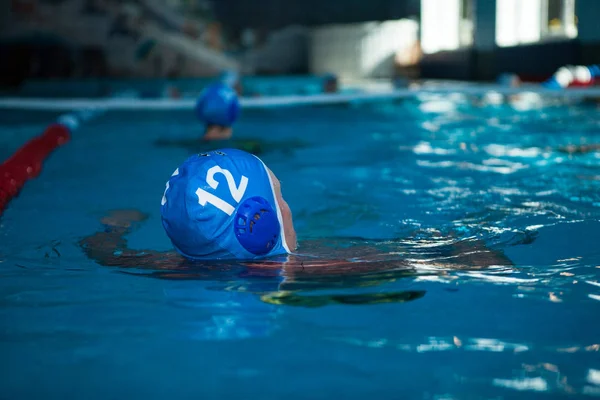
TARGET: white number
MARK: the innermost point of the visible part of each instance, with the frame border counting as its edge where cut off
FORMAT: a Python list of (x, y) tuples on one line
[(236, 192), (205, 197), (164, 198)]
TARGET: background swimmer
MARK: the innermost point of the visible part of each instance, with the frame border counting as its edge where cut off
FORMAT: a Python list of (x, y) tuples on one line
[(218, 108), (330, 83)]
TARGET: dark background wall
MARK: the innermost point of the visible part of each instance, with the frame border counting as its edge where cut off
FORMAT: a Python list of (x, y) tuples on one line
[(274, 14)]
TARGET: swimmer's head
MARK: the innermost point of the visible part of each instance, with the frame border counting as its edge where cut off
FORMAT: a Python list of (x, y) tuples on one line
[(226, 204), (218, 105), (509, 80), (330, 83)]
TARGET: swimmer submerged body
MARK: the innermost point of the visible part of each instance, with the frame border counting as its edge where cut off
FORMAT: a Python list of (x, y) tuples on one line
[(286, 279), (224, 213), (225, 208), (109, 247)]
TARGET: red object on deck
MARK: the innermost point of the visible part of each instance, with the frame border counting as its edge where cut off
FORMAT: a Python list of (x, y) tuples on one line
[(26, 163), (577, 83)]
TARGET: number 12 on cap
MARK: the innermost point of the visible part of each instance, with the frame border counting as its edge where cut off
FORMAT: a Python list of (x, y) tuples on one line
[(237, 192)]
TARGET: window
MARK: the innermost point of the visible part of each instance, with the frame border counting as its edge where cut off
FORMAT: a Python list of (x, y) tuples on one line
[(446, 24), (466, 23), (532, 21), (559, 19)]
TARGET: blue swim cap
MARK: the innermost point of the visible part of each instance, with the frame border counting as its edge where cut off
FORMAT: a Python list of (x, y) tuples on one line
[(218, 105), (221, 205)]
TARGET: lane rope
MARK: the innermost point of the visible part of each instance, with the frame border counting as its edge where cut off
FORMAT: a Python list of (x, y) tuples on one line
[(27, 162), (296, 100)]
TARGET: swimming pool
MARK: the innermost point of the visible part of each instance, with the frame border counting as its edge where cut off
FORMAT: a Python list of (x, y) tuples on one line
[(410, 178)]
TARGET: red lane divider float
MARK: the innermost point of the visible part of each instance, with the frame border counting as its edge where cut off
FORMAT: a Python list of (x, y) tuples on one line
[(26, 163)]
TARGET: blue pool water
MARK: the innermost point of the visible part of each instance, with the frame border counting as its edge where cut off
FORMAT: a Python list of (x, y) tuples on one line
[(418, 180)]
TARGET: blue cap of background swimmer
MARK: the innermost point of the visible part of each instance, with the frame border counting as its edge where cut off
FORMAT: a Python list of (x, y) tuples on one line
[(221, 205), (218, 105)]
